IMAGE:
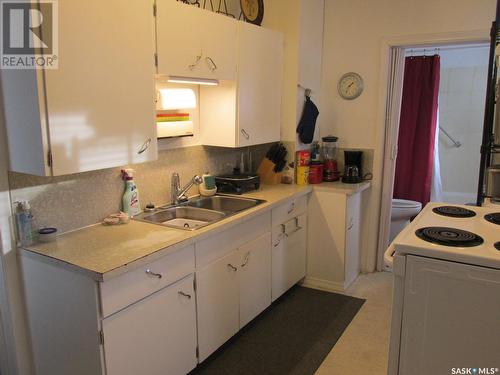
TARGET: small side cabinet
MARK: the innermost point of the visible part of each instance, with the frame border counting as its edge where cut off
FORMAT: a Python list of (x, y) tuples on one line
[(333, 257)]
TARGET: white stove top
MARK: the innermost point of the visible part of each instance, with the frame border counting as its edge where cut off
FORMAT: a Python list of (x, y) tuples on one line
[(485, 254)]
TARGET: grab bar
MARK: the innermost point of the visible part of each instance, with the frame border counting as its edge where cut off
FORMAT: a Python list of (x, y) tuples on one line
[(456, 143)]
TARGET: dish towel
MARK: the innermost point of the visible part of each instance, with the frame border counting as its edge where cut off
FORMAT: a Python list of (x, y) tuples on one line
[(307, 122)]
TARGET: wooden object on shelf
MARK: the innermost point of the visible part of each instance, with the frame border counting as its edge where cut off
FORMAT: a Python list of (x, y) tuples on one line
[(267, 174)]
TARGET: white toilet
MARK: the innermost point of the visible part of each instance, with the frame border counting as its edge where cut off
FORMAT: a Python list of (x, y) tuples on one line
[(401, 212)]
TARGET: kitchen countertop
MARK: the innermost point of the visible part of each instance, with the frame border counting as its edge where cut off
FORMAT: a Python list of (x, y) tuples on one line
[(103, 252)]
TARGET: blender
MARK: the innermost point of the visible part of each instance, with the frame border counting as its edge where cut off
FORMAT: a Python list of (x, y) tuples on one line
[(330, 170)]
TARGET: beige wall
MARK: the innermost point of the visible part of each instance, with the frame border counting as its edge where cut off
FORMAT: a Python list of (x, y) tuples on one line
[(354, 34)]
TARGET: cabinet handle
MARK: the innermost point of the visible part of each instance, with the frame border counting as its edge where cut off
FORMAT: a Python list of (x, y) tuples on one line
[(245, 134), (144, 146), (292, 207), (247, 258), (181, 293), (211, 64), (151, 273), (196, 61), (351, 224), (277, 242), (233, 268)]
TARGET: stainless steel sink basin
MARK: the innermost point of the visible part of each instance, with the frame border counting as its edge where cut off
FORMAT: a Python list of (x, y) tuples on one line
[(183, 217), (224, 203), (198, 212)]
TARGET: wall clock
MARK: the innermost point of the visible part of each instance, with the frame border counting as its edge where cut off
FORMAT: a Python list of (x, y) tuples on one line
[(253, 11), (350, 86)]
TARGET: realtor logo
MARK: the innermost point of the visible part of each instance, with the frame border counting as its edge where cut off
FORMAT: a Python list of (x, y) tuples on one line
[(29, 34)]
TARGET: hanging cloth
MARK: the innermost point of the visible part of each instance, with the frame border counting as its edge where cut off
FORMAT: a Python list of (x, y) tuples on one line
[(307, 122), (417, 129)]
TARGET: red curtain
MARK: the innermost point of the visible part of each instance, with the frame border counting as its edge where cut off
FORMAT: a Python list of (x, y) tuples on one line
[(417, 129)]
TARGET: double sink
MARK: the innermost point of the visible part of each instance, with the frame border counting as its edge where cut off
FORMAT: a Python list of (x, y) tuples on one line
[(198, 212)]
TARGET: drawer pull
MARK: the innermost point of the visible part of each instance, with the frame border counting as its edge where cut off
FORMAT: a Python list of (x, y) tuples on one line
[(149, 272), (181, 293), (233, 268), (291, 208)]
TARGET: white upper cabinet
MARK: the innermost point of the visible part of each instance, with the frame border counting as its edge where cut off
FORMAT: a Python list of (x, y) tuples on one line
[(193, 42), (247, 112), (97, 110), (260, 64)]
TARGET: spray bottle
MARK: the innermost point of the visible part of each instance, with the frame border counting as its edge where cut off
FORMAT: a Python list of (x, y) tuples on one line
[(130, 200), (26, 230)]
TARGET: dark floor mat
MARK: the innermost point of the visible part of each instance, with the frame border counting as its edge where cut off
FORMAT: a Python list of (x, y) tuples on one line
[(293, 336)]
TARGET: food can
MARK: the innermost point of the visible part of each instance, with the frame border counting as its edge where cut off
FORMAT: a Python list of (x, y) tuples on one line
[(303, 158), (316, 173), (302, 175)]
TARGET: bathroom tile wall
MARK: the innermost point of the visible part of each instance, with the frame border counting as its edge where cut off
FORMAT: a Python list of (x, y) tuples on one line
[(74, 201), (461, 109)]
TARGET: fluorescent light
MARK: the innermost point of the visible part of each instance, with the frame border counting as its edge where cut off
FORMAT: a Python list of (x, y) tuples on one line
[(177, 99), (193, 81)]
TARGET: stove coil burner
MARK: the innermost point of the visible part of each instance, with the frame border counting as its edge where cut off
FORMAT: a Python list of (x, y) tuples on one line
[(453, 211), (449, 236), (493, 218), (497, 245)]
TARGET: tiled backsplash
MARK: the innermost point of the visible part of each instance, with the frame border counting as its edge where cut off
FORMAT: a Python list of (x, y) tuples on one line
[(78, 200)]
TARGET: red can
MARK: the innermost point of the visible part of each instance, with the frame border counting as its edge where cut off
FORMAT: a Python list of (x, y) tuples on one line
[(303, 158), (316, 173)]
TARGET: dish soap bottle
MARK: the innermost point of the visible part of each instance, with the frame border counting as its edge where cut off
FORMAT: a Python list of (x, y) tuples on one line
[(130, 200), (25, 221)]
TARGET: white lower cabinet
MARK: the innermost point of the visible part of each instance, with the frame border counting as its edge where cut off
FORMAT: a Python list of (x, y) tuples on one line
[(217, 301), (154, 336), (231, 292), (334, 236), (255, 278), (288, 254)]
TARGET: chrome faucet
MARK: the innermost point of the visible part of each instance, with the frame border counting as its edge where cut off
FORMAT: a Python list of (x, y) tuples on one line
[(178, 194)]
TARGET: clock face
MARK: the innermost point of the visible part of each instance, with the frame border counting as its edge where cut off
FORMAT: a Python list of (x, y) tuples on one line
[(253, 10), (350, 86)]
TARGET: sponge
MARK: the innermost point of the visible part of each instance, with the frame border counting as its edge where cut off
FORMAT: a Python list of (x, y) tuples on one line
[(209, 181)]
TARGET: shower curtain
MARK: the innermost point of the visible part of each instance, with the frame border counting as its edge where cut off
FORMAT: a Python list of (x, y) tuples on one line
[(417, 129)]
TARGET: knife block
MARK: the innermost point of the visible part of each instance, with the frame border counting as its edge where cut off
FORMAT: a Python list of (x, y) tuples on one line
[(267, 174)]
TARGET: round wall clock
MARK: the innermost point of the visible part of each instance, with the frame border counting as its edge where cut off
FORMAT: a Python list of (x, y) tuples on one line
[(350, 86), (253, 10)]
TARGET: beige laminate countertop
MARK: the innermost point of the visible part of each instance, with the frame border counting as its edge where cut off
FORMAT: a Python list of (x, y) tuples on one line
[(103, 252)]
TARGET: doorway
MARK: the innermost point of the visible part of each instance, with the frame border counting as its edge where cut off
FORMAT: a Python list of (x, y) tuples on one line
[(462, 91)]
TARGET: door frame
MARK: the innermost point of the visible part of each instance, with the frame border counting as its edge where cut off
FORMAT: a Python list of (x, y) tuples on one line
[(387, 165)]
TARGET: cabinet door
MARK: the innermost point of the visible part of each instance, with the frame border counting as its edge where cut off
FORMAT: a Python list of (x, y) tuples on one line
[(217, 298), (289, 254), (352, 239), (154, 336), (255, 278), (101, 100), (219, 36), (178, 40), (260, 73)]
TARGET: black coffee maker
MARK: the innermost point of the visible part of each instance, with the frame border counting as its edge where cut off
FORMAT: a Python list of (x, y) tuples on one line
[(353, 173)]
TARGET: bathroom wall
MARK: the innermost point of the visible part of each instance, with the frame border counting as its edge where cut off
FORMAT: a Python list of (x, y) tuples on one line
[(462, 92), (78, 200)]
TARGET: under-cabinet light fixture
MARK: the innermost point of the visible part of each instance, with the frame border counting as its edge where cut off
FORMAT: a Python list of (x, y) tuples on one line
[(193, 81)]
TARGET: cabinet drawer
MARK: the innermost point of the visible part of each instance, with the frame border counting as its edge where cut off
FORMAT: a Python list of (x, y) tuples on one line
[(217, 246), (132, 286), (289, 210)]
